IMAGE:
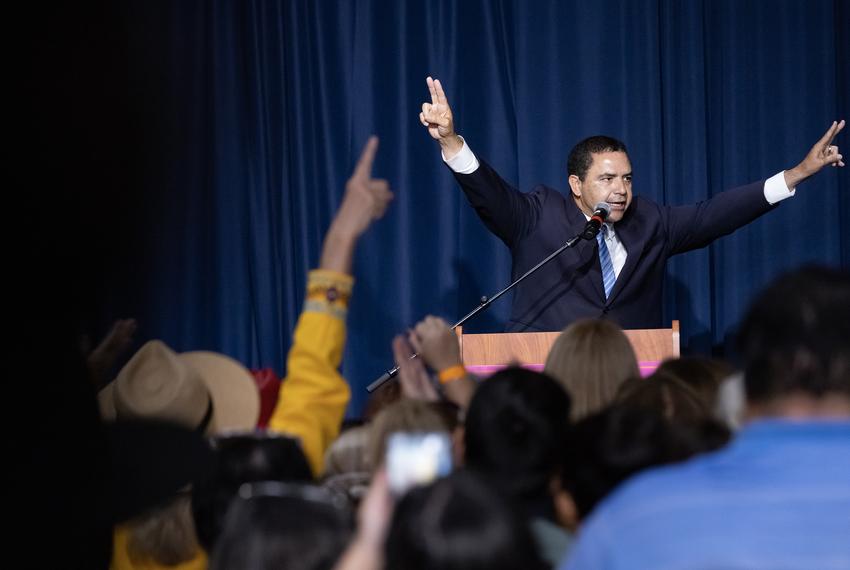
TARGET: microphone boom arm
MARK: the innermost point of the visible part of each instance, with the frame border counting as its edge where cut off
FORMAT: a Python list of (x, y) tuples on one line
[(484, 304)]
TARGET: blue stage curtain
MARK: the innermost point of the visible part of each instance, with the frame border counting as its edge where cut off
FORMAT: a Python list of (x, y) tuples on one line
[(254, 113)]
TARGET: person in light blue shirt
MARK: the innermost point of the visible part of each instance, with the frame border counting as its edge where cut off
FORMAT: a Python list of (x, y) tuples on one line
[(778, 496)]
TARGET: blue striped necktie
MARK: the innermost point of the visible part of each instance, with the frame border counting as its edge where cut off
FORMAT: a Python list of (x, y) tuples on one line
[(608, 276)]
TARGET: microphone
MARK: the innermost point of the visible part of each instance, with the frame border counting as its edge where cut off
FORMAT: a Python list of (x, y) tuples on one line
[(600, 213)]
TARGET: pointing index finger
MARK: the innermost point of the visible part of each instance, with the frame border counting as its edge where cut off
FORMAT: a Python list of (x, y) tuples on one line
[(367, 157)]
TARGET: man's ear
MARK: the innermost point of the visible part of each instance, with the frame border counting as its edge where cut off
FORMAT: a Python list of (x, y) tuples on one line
[(575, 185)]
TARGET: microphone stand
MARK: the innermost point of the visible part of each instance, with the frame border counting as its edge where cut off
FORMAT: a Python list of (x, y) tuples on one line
[(486, 302)]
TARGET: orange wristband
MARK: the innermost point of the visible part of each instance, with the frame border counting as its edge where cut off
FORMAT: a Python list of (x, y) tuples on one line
[(452, 373)]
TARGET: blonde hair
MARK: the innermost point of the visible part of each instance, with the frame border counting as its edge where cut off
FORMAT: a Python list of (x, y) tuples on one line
[(165, 535), (591, 358), (403, 415)]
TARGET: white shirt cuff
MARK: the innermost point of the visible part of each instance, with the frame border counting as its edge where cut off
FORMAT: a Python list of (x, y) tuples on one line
[(464, 162), (775, 189)]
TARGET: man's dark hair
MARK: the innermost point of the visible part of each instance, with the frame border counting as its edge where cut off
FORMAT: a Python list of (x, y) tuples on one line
[(459, 522), (514, 429), (580, 157), (796, 336)]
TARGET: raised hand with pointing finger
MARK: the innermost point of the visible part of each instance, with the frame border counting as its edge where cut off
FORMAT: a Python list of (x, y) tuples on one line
[(366, 198), (365, 201), (314, 395)]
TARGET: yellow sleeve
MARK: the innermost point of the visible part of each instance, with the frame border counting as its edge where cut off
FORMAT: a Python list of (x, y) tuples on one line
[(313, 396)]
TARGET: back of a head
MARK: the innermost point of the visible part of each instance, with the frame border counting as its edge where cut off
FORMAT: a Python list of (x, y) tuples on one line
[(459, 523), (795, 338), (163, 536), (243, 458), (591, 359), (665, 395), (606, 448), (405, 415), (703, 375), (514, 429), (347, 468), (272, 530), (387, 394)]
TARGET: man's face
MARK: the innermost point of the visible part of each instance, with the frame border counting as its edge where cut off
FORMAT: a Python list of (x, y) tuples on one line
[(609, 179)]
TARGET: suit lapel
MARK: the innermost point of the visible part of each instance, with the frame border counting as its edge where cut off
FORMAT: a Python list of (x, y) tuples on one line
[(630, 235)]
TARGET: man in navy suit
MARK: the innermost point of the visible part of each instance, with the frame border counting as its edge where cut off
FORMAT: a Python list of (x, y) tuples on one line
[(619, 274)]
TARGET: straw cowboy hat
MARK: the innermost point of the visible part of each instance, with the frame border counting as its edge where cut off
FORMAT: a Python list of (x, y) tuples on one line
[(205, 391)]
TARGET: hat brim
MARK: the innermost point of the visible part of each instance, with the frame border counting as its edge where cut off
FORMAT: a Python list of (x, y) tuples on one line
[(236, 400), (106, 402)]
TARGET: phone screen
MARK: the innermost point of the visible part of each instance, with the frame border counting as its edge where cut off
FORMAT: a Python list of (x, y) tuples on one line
[(417, 459)]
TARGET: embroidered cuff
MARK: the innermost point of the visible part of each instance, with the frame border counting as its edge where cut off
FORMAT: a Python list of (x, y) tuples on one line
[(328, 292)]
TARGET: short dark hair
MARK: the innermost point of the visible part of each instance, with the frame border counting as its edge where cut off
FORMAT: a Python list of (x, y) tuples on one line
[(701, 373), (514, 429), (796, 336), (606, 448), (664, 394), (580, 157), (268, 530), (243, 458), (459, 522)]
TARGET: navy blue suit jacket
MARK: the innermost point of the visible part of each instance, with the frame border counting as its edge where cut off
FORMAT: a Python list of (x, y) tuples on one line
[(536, 223)]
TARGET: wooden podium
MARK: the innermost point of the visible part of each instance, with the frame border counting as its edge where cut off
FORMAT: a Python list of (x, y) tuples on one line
[(486, 353)]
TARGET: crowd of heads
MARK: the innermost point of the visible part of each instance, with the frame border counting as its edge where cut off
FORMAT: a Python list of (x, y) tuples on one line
[(533, 454), (529, 448)]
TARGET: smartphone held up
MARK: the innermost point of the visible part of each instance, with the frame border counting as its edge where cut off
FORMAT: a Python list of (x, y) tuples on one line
[(417, 458)]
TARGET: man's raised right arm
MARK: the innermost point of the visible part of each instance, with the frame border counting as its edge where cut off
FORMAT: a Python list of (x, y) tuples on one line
[(506, 212)]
